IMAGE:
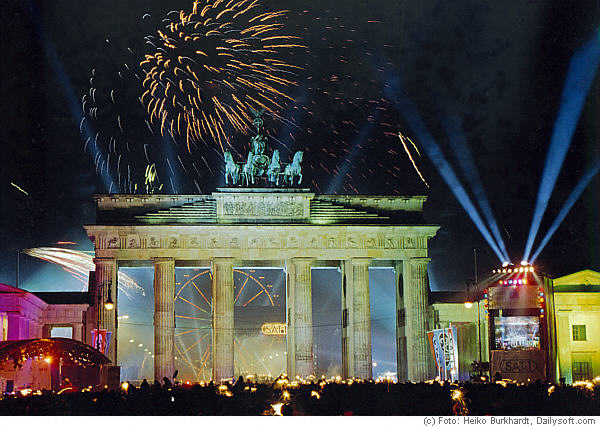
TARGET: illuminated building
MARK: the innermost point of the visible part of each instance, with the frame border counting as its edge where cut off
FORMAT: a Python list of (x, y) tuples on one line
[(577, 323), (289, 228), (448, 309), (25, 316), (535, 328)]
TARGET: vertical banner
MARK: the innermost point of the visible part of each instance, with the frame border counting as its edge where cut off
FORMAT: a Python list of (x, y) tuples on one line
[(101, 340), (444, 348), (454, 346)]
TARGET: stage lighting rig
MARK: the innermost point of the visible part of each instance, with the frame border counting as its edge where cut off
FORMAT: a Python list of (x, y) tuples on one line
[(509, 268)]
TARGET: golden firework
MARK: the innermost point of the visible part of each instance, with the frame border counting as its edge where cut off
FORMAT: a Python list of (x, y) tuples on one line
[(211, 65)]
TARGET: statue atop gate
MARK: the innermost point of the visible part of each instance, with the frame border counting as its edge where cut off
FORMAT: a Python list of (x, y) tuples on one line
[(259, 169)]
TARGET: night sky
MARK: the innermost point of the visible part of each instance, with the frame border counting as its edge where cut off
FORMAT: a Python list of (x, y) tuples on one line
[(498, 68)]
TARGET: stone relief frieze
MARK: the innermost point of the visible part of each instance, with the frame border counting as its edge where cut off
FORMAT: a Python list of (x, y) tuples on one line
[(312, 242), (254, 242), (194, 242), (390, 243), (133, 242), (273, 242), (332, 242), (371, 242), (112, 241), (352, 241), (269, 240), (153, 242), (172, 242), (292, 242), (213, 242), (263, 208)]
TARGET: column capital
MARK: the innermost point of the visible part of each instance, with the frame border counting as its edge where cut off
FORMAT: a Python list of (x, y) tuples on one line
[(361, 260), (105, 261), (222, 259), (163, 259), (303, 259), (418, 260)]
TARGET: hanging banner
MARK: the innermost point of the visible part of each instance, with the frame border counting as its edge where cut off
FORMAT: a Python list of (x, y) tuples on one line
[(101, 340), (444, 348)]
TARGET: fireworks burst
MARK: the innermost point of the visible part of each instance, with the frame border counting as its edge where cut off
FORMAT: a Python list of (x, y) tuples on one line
[(214, 64), (79, 264), (166, 96), (125, 144)]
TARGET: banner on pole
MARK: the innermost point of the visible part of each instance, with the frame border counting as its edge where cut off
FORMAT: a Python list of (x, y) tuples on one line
[(444, 348), (101, 340)]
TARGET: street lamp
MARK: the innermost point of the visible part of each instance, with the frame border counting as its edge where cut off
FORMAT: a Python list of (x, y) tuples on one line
[(98, 320), (468, 304), (109, 304), (478, 311)]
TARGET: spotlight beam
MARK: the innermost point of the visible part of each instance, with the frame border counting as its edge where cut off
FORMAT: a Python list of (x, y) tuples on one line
[(68, 92), (579, 188), (348, 160), (435, 154), (580, 76), (453, 129)]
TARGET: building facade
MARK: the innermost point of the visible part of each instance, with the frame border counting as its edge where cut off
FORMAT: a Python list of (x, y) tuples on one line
[(24, 316), (571, 327), (577, 321), (30, 315), (292, 229), (448, 309)]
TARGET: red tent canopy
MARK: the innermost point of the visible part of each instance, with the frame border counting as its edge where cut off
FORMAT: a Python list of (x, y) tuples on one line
[(69, 350)]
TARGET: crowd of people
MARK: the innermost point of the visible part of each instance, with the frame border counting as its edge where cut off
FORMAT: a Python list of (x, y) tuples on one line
[(321, 398)]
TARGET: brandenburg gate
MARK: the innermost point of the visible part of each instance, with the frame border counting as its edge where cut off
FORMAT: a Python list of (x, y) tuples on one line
[(291, 228)]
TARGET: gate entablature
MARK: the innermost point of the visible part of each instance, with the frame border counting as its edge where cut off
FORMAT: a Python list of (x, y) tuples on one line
[(266, 242)]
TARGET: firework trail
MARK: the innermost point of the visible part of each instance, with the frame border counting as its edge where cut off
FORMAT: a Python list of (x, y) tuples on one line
[(214, 64), (79, 264), (402, 138)]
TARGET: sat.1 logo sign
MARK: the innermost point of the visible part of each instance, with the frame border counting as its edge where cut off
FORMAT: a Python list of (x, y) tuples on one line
[(518, 366)]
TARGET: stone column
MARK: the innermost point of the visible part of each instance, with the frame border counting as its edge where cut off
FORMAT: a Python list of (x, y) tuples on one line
[(401, 368), (347, 325), (106, 277), (415, 302), (222, 318), (299, 317), (77, 331), (14, 326), (164, 318), (35, 329), (357, 308)]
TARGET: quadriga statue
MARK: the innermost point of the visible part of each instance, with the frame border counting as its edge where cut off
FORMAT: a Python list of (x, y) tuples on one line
[(293, 169), (274, 169), (231, 169)]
